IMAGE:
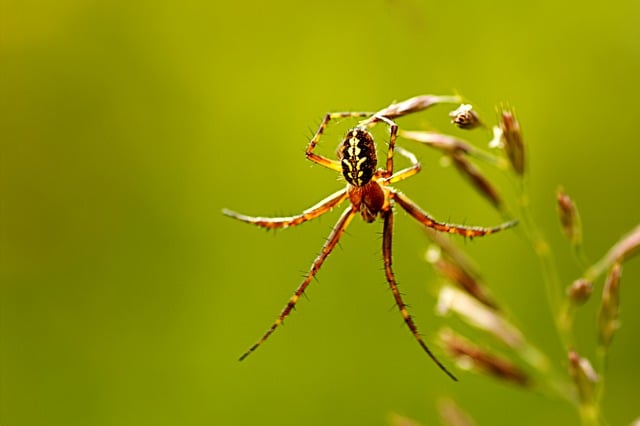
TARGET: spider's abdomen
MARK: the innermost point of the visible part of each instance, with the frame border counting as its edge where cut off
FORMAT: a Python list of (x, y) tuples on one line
[(358, 156)]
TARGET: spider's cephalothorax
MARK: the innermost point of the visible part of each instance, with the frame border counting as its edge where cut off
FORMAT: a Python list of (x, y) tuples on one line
[(357, 155), (370, 194)]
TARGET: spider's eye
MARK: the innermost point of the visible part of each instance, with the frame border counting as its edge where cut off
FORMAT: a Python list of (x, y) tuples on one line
[(358, 156)]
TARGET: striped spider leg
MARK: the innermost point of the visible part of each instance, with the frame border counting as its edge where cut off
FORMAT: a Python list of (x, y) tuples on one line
[(370, 194), (422, 217)]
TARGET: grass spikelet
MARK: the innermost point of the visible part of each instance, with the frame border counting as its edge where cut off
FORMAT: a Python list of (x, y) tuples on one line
[(513, 143), (474, 358), (464, 117), (608, 322)]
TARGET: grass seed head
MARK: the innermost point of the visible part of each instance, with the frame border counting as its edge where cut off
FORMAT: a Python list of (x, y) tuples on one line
[(584, 377), (512, 140), (465, 117), (456, 274), (608, 322), (478, 315), (569, 217), (475, 358), (580, 291)]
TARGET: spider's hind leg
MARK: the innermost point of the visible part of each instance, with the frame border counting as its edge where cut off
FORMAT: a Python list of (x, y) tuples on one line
[(466, 231), (386, 253), (328, 246)]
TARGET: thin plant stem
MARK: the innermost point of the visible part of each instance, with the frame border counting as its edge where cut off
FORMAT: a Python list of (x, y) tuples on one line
[(562, 312), (553, 287)]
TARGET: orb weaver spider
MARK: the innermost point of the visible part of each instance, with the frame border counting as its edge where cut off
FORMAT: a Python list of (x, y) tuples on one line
[(370, 194)]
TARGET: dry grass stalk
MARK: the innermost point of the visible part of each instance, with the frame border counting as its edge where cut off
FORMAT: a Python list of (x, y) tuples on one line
[(449, 145), (415, 104), (627, 247), (444, 143), (623, 250)]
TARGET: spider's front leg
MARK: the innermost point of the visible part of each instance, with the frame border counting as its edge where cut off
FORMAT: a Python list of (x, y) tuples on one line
[(320, 159), (386, 254), (409, 171), (328, 246), (393, 133)]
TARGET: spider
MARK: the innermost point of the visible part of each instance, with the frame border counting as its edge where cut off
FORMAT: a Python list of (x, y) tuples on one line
[(370, 193)]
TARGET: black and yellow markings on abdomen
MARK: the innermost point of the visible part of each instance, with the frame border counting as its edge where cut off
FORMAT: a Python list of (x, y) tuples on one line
[(358, 153)]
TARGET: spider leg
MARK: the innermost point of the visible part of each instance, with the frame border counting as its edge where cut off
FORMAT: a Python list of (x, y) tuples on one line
[(320, 159), (386, 253), (393, 133), (409, 171), (283, 222), (422, 217), (328, 246)]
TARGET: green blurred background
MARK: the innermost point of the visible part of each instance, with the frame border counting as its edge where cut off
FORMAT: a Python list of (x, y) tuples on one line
[(127, 126)]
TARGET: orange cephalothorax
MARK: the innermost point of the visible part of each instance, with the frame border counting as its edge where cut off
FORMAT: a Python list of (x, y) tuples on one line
[(357, 155), (368, 199)]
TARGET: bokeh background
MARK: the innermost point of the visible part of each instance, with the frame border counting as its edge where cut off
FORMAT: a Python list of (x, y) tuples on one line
[(126, 296)]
